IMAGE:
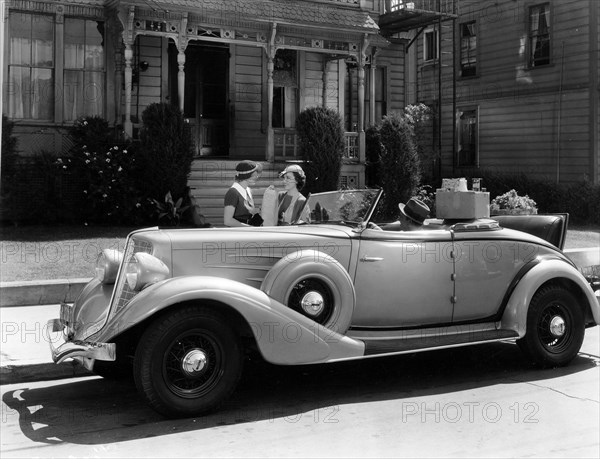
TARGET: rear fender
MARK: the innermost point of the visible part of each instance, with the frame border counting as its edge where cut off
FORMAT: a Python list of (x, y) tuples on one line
[(283, 336), (515, 314)]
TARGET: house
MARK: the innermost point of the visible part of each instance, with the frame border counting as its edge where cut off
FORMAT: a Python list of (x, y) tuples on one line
[(516, 83), (513, 83)]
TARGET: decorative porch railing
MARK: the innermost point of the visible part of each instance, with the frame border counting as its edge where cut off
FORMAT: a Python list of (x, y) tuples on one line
[(286, 145), (438, 6)]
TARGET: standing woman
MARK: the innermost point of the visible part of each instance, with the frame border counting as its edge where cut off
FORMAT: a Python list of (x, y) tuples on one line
[(239, 203), (291, 203)]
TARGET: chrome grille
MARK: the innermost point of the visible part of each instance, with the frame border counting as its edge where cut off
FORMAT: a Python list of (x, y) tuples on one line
[(123, 294)]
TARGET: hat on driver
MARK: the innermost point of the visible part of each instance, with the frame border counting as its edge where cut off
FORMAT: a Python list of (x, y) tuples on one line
[(415, 209)]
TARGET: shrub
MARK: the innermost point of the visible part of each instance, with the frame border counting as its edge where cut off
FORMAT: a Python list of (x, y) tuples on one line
[(105, 166), (36, 191), (108, 193), (400, 165), (92, 132), (166, 151), (420, 118), (373, 154), (321, 143)]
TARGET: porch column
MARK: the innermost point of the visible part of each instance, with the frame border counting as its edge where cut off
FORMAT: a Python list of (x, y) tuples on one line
[(325, 80), (361, 96), (271, 49), (270, 134), (372, 90), (127, 125), (181, 79), (362, 57)]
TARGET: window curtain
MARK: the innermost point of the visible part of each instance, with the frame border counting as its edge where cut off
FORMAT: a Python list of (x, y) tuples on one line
[(539, 29), (30, 75)]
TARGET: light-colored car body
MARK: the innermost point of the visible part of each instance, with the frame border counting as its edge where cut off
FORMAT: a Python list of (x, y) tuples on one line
[(364, 291)]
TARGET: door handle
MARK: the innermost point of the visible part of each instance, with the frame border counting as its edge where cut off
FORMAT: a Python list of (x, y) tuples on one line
[(371, 259)]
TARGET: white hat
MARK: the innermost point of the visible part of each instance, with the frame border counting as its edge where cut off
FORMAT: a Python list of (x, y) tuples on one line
[(293, 168)]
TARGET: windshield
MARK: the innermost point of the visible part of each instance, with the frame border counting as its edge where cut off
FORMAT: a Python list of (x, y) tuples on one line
[(347, 206)]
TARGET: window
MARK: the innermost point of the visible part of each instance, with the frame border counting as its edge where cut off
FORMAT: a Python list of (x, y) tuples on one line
[(83, 90), (31, 67), (33, 70), (539, 35), (468, 49), (380, 95), (285, 89), (430, 48), (468, 151)]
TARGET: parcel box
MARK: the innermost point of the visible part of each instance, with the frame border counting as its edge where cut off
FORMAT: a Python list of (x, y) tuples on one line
[(462, 204)]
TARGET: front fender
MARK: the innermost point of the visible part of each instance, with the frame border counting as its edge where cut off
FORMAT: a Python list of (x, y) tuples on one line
[(283, 336), (515, 314)]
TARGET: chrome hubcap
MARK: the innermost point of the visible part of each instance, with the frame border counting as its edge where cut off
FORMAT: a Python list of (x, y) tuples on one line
[(312, 303), (194, 362), (557, 326)]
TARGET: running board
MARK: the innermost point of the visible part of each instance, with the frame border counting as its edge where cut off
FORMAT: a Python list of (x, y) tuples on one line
[(395, 345)]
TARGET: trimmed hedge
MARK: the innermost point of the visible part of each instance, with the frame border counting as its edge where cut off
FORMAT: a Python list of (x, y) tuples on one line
[(166, 152), (321, 144), (393, 162)]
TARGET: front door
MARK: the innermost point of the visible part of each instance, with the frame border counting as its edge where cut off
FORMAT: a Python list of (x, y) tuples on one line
[(206, 103)]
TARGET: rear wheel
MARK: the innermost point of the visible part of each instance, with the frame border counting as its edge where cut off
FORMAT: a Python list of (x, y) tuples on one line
[(187, 362), (555, 327)]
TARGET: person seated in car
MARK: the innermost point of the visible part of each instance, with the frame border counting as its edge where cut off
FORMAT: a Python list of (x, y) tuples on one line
[(412, 216)]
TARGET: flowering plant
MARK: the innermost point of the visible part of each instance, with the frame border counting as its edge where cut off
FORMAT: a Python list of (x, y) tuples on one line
[(106, 172), (512, 202)]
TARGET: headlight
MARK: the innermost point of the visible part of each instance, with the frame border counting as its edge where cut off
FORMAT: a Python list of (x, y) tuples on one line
[(107, 265), (143, 269)]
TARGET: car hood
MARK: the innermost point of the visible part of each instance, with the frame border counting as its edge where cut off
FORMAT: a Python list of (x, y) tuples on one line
[(191, 238)]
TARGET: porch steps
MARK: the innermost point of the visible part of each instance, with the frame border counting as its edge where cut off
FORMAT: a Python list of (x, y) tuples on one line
[(210, 180)]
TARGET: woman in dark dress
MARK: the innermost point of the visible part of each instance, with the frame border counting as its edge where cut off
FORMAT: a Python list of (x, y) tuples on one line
[(239, 204)]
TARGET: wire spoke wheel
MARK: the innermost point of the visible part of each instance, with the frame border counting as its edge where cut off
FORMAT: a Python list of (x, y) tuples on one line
[(312, 298), (555, 327), (193, 364), (188, 361)]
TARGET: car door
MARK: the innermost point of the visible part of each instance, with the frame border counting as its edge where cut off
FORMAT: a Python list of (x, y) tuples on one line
[(403, 278), (485, 268)]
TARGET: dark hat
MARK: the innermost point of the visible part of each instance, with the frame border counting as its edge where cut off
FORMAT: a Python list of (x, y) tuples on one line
[(415, 209), (246, 168)]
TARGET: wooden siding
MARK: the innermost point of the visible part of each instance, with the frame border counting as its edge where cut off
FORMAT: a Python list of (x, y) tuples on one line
[(149, 89), (392, 58), (248, 137), (313, 86), (521, 108)]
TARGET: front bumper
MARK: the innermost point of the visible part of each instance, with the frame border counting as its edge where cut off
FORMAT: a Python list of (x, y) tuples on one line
[(85, 352)]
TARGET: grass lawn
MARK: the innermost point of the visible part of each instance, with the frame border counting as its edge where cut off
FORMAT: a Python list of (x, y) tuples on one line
[(69, 252), (55, 252)]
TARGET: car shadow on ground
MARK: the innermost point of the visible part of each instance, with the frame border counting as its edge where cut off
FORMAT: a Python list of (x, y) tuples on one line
[(97, 411)]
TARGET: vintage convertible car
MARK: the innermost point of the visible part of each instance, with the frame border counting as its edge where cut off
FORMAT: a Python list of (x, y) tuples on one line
[(181, 309)]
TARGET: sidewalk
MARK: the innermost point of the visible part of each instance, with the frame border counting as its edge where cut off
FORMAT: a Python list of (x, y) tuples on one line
[(26, 307), (25, 348)]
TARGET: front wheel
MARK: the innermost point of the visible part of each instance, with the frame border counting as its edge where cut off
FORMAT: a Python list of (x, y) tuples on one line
[(555, 327), (187, 362)]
